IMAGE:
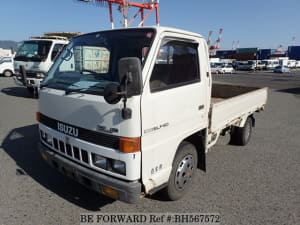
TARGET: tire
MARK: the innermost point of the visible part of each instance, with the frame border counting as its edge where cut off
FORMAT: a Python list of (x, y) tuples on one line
[(241, 135), (7, 73), (183, 169)]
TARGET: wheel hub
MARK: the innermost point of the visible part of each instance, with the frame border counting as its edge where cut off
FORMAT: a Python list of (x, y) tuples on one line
[(184, 172)]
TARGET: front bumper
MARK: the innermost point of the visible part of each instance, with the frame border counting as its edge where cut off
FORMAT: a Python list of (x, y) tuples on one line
[(128, 192), (30, 82)]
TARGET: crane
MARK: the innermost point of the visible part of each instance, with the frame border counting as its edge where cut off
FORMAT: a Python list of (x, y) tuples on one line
[(213, 48), (124, 5), (209, 38)]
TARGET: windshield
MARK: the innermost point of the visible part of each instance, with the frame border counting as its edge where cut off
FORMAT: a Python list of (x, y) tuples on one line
[(34, 50), (90, 61)]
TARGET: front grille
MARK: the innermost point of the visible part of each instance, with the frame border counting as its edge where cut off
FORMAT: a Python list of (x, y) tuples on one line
[(76, 153), (62, 147), (84, 155), (30, 74), (55, 142), (71, 151)]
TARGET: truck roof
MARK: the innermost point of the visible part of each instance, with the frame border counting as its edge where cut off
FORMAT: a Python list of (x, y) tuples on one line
[(160, 29), (49, 38), (58, 36)]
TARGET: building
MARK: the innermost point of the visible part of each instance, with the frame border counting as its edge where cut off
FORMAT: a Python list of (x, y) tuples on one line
[(5, 52)]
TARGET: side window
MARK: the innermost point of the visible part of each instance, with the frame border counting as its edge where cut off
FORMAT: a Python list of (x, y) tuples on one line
[(56, 49), (176, 65)]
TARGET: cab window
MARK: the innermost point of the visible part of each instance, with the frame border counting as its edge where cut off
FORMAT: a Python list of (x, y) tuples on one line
[(56, 49), (176, 65)]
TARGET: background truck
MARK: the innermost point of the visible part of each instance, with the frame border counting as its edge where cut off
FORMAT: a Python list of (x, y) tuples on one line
[(6, 66), (37, 55), (143, 117)]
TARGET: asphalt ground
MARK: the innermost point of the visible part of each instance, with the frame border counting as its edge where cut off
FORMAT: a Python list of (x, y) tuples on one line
[(255, 184)]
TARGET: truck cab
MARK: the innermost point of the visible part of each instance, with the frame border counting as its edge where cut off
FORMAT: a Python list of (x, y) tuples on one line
[(36, 56), (128, 112)]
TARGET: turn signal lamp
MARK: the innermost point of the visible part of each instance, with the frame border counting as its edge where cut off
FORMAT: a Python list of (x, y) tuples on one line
[(110, 192), (130, 145)]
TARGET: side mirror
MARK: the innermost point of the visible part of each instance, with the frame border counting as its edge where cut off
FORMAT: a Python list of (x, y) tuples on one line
[(111, 95), (130, 75)]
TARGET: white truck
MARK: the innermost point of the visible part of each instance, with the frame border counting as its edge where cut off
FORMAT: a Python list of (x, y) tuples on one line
[(36, 56), (143, 119), (270, 64), (6, 66)]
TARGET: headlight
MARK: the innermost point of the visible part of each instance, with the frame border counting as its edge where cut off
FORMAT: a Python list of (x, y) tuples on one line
[(99, 161), (119, 166), (109, 164)]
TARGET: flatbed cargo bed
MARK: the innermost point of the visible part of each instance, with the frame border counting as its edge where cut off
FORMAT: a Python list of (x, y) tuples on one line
[(231, 104)]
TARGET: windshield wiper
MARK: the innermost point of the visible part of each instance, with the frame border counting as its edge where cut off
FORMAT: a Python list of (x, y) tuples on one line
[(58, 82), (80, 89), (73, 90), (66, 83)]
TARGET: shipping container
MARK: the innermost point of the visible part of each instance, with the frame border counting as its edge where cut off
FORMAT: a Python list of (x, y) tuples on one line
[(245, 56), (294, 52), (247, 50), (265, 53), (268, 53), (225, 54)]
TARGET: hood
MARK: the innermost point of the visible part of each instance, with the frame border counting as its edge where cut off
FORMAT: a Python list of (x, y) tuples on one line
[(90, 112)]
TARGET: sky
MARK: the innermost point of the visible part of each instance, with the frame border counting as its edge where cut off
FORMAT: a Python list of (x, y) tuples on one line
[(255, 23)]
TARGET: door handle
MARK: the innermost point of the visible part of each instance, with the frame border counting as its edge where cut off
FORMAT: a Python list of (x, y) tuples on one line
[(200, 107)]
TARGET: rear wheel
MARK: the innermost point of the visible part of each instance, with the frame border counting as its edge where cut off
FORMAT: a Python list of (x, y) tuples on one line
[(183, 169), (7, 73), (242, 135)]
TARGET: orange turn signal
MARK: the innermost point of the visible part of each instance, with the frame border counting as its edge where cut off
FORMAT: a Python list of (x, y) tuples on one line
[(38, 116), (111, 192), (130, 145)]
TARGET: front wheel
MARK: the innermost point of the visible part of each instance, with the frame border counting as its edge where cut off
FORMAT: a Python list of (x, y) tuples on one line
[(183, 169), (7, 73)]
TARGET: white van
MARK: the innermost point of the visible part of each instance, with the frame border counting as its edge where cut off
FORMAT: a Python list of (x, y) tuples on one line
[(271, 63), (6, 66)]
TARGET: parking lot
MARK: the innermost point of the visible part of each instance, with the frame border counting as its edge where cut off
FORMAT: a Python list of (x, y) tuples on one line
[(255, 184)]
